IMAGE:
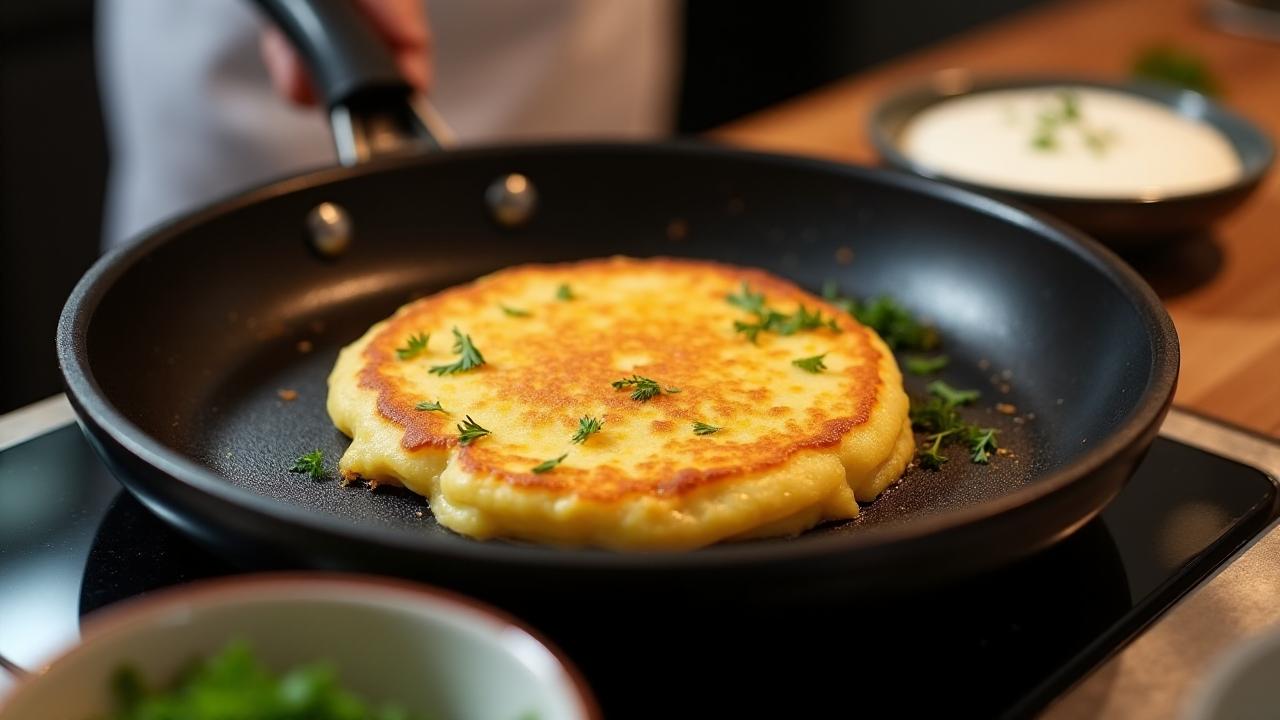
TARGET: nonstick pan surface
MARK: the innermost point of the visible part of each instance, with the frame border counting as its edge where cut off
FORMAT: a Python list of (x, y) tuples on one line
[(174, 351)]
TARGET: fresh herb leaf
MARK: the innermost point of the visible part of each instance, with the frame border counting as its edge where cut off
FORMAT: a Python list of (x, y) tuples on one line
[(1177, 67), (802, 319), (701, 428), (934, 415), (416, 345), (565, 293), (1044, 140), (549, 465), (921, 365), (425, 406), (745, 299), (1066, 113), (1070, 105), (932, 456), (811, 364), (234, 683), (587, 426), (469, 356), (514, 312), (642, 388), (950, 395), (671, 390), (770, 320), (939, 417), (312, 464), (469, 431), (751, 330), (982, 442), (899, 329)]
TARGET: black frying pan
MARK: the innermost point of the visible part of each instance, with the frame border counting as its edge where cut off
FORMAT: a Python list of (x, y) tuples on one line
[(173, 349)]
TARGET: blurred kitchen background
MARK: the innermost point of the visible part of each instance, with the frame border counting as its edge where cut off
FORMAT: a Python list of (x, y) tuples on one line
[(739, 57)]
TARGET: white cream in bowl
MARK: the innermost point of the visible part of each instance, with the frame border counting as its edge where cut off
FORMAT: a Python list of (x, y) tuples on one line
[(1070, 141)]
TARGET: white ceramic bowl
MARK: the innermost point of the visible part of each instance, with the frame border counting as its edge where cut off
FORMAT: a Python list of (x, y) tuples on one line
[(433, 653)]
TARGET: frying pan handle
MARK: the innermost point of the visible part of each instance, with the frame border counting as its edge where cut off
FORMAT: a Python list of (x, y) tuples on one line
[(372, 109)]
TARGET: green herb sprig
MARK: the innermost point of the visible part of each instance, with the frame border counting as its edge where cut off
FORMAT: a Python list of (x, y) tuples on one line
[(811, 364), (548, 465), (426, 406), (514, 312), (895, 324), (469, 431), (312, 464), (1066, 114), (587, 426), (564, 293), (469, 357), (939, 418), (701, 428), (923, 365), (768, 319), (414, 346), (642, 388), (952, 396), (234, 682)]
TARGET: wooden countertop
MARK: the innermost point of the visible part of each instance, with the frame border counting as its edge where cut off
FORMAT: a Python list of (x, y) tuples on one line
[(1223, 291)]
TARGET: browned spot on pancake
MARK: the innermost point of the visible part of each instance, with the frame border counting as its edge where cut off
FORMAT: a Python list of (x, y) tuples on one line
[(571, 362)]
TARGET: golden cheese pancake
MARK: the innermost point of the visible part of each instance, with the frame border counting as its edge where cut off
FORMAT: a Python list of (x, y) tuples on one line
[(629, 404)]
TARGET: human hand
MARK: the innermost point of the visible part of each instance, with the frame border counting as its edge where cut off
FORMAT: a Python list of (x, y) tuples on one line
[(402, 24)]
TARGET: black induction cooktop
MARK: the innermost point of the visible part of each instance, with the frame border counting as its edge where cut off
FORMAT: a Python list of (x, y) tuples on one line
[(1004, 644)]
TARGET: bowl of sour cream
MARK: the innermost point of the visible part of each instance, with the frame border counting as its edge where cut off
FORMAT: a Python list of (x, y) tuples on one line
[(1129, 162)]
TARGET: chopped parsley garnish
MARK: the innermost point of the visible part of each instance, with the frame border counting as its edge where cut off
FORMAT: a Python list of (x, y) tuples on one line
[(922, 365), (701, 428), (642, 388), (811, 364), (312, 464), (549, 465), (469, 431), (982, 441), (952, 396), (768, 319), (469, 356), (1066, 113), (514, 312), (425, 406), (565, 293), (941, 421), (587, 426), (416, 345), (752, 302), (234, 683), (931, 457), (895, 325)]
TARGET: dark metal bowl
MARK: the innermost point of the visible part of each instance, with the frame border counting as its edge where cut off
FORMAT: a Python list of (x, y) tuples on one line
[(1120, 223)]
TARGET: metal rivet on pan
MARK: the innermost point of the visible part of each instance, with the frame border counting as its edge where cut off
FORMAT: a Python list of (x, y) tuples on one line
[(512, 200), (330, 229)]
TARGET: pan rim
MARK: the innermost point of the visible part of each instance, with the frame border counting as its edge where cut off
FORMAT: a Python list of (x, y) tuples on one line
[(92, 404)]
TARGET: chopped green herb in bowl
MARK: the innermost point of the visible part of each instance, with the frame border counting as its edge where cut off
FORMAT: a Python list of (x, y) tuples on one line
[(234, 684)]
